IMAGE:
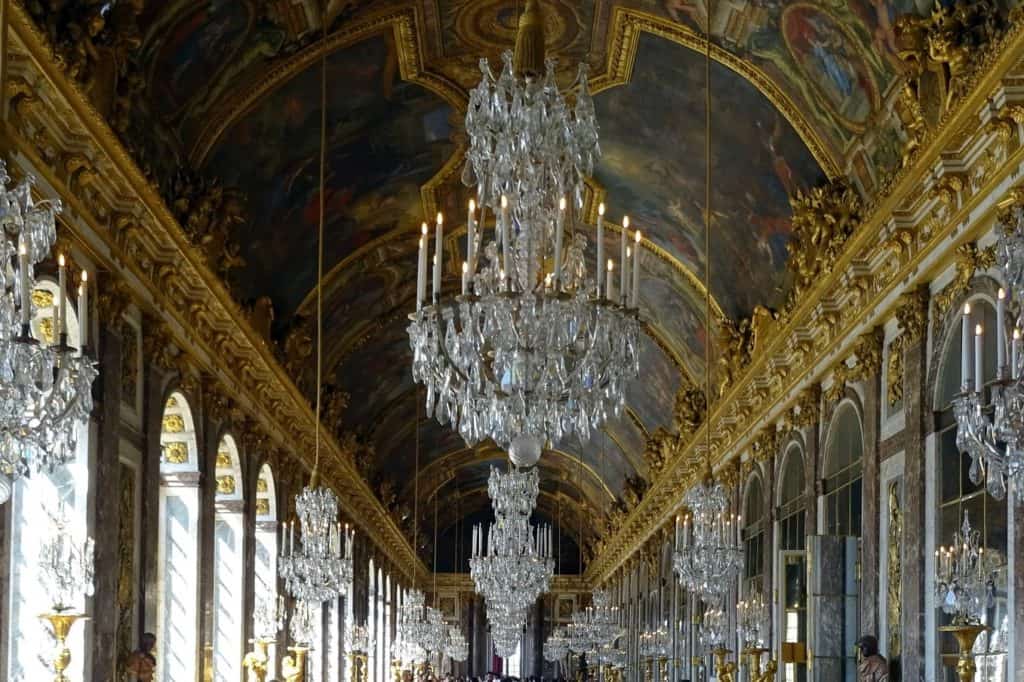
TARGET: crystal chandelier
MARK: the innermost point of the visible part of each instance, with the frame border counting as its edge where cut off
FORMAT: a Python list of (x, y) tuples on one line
[(993, 434), (655, 644), (534, 348), (713, 626), (511, 562), (964, 577), (269, 617), (456, 648), (596, 626), (45, 388), (556, 647), (303, 622), (413, 623), (506, 636), (321, 568), (357, 640), (66, 564), (708, 555), (752, 615)]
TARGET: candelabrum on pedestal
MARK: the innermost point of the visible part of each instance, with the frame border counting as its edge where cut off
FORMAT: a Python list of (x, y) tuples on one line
[(61, 623), (723, 670), (754, 655), (357, 667), (256, 661), (293, 668), (965, 636)]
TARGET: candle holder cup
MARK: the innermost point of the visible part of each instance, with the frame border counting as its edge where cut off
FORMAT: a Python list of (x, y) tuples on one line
[(966, 634)]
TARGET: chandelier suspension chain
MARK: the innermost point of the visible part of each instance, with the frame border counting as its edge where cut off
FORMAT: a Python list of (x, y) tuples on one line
[(707, 229), (320, 233)]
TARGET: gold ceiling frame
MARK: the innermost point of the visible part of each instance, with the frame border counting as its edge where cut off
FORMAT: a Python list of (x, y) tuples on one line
[(129, 231), (453, 461), (405, 27), (624, 38), (961, 129)]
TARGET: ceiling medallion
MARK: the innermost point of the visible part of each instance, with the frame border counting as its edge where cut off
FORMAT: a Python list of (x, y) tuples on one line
[(535, 347)]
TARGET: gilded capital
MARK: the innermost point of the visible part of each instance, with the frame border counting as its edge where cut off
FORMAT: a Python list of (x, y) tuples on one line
[(807, 409), (912, 313), (969, 259)]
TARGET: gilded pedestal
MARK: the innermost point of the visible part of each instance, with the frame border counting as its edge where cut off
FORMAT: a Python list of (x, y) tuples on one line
[(293, 668), (61, 624), (724, 670), (965, 638)]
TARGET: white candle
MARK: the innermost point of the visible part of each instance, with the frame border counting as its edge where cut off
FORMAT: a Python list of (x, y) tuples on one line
[(978, 366), (438, 256), (465, 278), (83, 311), (26, 295), (611, 266), (505, 242), (622, 259), (471, 233), (421, 271), (624, 276), (965, 348), (1000, 332), (291, 538), (636, 271), (1014, 354), (62, 276), (559, 226), (600, 247)]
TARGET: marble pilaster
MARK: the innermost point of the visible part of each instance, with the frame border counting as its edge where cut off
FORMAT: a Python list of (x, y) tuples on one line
[(870, 512), (106, 529)]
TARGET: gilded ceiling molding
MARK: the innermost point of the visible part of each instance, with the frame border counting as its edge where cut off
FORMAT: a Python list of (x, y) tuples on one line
[(404, 25), (969, 259), (623, 38), (462, 582), (167, 273), (789, 359)]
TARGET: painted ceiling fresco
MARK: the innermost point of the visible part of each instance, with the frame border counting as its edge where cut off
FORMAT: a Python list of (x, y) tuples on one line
[(235, 85)]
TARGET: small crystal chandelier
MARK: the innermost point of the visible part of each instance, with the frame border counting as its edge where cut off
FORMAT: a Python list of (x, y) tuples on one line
[(752, 615), (655, 644), (964, 577), (511, 562), (713, 627), (556, 647), (993, 434), (45, 388), (66, 564), (269, 617), (534, 348), (708, 555), (456, 648), (357, 639), (303, 622), (596, 626), (321, 569), (413, 625)]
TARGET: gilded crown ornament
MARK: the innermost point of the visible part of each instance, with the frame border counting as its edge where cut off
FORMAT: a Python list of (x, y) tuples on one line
[(534, 348)]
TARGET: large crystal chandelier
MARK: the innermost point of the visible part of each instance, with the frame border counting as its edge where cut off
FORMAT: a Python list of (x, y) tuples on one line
[(456, 648), (45, 387), (535, 347), (964, 576), (993, 434), (708, 555), (320, 569), (511, 562)]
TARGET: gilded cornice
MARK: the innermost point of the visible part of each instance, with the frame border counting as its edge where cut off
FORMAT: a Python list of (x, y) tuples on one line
[(130, 232), (824, 316)]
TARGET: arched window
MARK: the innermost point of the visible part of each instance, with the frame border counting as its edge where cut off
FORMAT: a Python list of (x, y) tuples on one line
[(753, 535), (33, 499), (957, 494), (178, 554), (791, 581), (228, 562), (843, 465), (388, 615), (371, 619), (266, 553)]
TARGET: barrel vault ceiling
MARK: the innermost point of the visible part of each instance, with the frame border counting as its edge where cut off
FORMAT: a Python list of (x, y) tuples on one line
[(231, 99)]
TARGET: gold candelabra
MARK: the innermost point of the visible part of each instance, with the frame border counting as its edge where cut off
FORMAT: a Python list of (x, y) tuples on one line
[(753, 655), (61, 623), (965, 635), (293, 668), (663, 663), (724, 670), (256, 661)]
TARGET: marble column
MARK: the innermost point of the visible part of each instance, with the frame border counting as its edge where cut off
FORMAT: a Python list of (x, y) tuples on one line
[(768, 565), (155, 386), (870, 512), (831, 597), (5, 580), (207, 526), (106, 530), (914, 481)]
